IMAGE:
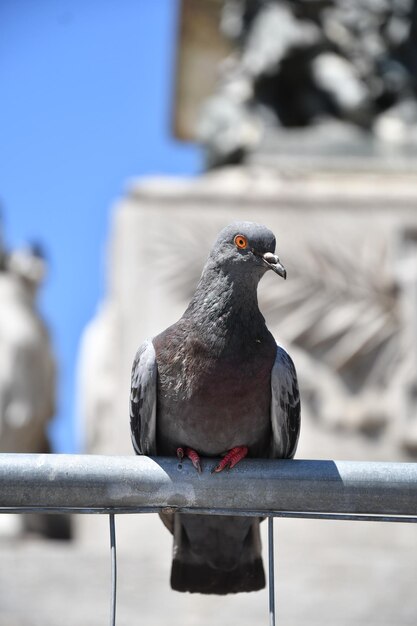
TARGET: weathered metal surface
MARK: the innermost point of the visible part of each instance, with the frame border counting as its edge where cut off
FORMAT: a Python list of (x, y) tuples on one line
[(126, 484)]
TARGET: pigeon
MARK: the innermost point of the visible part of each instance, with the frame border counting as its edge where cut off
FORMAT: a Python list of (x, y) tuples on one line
[(216, 384)]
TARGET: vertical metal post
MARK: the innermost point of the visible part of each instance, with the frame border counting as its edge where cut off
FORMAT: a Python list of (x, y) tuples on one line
[(113, 570), (271, 572)]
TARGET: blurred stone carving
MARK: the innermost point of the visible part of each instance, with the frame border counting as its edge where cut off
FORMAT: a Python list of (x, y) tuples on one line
[(348, 308), (342, 310), (27, 365), (27, 375), (303, 63), (407, 275)]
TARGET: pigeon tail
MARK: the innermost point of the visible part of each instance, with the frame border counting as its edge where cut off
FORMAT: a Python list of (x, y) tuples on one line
[(201, 578), (216, 554)]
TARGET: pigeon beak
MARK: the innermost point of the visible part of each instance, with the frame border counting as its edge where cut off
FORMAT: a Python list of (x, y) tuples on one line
[(273, 263)]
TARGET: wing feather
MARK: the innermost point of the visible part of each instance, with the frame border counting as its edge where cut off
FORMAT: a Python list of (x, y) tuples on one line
[(143, 400), (285, 406)]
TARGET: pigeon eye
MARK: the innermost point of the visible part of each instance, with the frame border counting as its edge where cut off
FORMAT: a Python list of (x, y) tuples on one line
[(240, 242)]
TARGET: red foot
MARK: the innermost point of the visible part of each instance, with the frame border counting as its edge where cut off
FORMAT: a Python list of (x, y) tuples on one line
[(231, 458), (192, 455)]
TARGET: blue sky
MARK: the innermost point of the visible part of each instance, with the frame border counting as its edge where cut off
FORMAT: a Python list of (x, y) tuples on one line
[(86, 96)]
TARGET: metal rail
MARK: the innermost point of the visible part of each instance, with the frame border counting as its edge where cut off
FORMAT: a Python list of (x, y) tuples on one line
[(286, 488), (130, 484)]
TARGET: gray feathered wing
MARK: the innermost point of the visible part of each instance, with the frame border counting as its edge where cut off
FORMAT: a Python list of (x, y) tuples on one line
[(285, 406), (143, 400)]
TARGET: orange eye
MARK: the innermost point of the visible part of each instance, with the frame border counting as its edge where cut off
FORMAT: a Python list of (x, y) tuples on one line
[(241, 241)]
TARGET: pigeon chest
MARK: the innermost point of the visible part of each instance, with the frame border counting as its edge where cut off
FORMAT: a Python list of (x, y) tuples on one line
[(212, 404)]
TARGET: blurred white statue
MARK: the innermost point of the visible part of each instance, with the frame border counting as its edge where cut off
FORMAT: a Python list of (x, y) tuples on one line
[(27, 365), (27, 375)]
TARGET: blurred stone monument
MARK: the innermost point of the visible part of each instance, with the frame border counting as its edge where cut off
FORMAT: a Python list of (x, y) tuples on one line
[(311, 129), (306, 112), (346, 71), (27, 369)]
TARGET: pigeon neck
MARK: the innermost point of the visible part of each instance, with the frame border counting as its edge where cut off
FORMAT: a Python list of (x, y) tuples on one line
[(223, 302)]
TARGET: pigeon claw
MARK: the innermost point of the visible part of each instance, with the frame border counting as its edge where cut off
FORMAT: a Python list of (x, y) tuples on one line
[(192, 455), (231, 458)]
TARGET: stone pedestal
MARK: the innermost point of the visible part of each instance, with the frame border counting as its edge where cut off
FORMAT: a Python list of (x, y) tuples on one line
[(347, 312)]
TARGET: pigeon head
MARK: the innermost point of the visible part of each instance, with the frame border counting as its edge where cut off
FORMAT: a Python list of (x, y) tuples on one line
[(246, 246)]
